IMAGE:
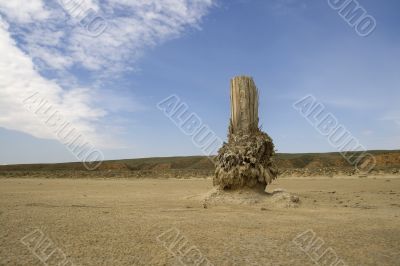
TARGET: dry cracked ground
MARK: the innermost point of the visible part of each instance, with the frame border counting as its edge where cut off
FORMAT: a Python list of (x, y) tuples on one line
[(355, 221)]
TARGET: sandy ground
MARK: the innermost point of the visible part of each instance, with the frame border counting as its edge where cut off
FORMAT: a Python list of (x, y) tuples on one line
[(137, 222)]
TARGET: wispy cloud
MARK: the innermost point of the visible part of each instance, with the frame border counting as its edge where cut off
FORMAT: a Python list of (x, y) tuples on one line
[(28, 12), (20, 80), (39, 37), (393, 116), (57, 40), (350, 103)]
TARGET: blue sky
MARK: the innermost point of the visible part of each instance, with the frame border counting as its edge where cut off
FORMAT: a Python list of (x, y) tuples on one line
[(108, 86)]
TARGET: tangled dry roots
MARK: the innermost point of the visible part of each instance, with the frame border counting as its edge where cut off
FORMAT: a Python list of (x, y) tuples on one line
[(246, 160)]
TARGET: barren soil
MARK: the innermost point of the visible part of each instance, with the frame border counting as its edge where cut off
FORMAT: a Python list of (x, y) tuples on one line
[(117, 222)]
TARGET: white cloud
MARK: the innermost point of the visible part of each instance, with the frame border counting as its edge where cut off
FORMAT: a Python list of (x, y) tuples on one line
[(20, 80), (393, 116), (26, 12), (349, 102), (38, 36), (60, 41)]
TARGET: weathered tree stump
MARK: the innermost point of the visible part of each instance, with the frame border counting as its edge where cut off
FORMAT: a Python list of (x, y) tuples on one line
[(244, 105), (247, 159)]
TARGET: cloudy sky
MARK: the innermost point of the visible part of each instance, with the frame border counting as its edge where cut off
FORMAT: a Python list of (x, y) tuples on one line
[(105, 64)]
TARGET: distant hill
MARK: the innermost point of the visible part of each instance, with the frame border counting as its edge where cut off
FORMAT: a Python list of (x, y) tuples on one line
[(322, 163)]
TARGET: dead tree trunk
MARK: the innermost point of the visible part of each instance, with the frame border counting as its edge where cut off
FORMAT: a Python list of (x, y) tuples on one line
[(247, 158), (244, 105)]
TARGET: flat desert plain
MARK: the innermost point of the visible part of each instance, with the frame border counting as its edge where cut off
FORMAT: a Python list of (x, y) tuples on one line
[(348, 221)]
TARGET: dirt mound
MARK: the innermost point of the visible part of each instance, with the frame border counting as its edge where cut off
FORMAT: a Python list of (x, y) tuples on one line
[(278, 198)]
